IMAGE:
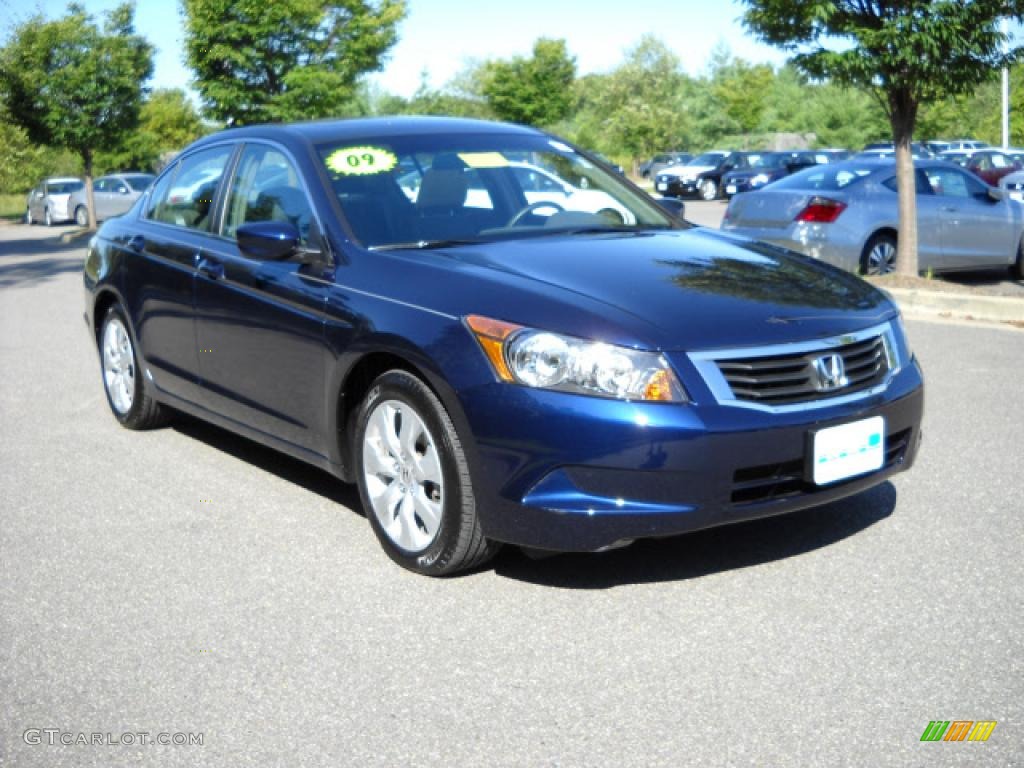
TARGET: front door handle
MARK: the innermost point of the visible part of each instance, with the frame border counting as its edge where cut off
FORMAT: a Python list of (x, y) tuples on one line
[(212, 269), (950, 209)]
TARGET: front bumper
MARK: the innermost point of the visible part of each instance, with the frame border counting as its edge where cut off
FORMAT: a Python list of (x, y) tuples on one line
[(674, 186), (571, 473)]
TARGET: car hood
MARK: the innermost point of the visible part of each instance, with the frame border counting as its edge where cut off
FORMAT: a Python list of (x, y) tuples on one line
[(689, 289), (686, 171)]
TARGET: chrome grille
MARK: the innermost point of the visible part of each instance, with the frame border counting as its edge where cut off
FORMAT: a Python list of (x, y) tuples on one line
[(791, 378)]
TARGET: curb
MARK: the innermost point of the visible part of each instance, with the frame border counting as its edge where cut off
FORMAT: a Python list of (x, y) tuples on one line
[(996, 309), (67, 237)]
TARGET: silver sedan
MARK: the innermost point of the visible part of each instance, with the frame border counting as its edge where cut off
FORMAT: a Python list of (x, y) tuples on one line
[(846, 214), (114, 195)]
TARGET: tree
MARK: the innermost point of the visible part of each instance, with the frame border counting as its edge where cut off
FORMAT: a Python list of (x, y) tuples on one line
[(740, 89), (280, 60), (71, 84), (168, 122), (536, 91), (907, 52), (639, 107)]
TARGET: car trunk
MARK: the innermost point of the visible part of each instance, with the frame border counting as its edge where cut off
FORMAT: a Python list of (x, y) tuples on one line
[(770, 208)]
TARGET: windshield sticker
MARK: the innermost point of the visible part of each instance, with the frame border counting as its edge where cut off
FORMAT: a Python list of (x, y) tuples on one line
[(484, 159), (560, 146), (361, 161)]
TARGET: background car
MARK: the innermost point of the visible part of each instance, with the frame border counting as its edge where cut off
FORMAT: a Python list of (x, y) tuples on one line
[(48, 201), (661, 161), (887, 150), (760, 169), (991, 165), (114, 195), (846, 214), (967, 144), (702, 175), (958, 156)]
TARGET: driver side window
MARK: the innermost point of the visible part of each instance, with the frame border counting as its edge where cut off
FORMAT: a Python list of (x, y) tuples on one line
[(266, 187)]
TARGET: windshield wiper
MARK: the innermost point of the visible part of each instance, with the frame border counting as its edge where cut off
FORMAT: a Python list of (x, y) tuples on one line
[(423, 245)]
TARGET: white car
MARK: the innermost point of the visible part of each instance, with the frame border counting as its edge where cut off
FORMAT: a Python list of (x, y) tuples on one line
[(1013, 185), (48, 201)]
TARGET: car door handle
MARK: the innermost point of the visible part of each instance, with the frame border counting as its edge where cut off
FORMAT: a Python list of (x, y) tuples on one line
[(950, 208), (137, 243), (212, 269)]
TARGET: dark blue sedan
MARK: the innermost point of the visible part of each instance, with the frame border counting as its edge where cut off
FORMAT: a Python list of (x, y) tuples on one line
[(491, 361)]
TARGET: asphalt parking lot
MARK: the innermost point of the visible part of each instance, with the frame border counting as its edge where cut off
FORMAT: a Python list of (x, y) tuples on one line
[(187, 581)]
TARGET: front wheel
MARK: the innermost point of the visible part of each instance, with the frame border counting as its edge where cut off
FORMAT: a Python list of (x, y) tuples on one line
[(48, 218), (28, 217), (127, 393), (709, 189), (879, 257), (81, 216), (1017, 270), (414, 480)]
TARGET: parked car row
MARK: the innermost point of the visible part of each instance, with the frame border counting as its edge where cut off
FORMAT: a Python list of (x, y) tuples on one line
[(57, 200)]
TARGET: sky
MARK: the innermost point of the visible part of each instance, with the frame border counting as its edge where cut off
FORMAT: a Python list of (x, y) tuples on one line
[(441, 36)]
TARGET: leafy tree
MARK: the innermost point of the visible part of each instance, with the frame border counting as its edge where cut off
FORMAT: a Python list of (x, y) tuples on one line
[(536, 91), (168, 122), (741, 89), (639, 108), (23, 162), (277, 60), (907, 52), (70, 83)]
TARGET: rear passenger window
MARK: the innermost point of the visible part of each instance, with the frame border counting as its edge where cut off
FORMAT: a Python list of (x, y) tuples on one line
[(187, 200)]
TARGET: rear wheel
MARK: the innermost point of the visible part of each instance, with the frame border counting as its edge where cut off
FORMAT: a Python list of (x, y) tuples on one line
[(127, 392), (81, 216), (879, 257), (48, 218), (28, 217), (709, 189), (414, 480)]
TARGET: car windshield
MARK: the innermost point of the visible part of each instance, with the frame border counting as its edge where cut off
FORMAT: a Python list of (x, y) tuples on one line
[(449, 189), (63, 187), (708, 158), (826, 177), (140, 181), (765, 161)]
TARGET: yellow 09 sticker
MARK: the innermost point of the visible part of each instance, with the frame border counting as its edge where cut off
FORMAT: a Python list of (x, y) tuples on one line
[(361, 161)]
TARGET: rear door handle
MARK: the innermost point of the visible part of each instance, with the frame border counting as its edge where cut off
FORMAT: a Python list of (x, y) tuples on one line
[(212, 269), (137, 243)]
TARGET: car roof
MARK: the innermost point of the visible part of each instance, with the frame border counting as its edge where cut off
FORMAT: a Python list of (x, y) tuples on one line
[(320, 131), (48, 179)]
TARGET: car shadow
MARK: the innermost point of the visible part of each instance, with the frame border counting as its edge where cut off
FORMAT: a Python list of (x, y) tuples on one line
[(267, 459), (707, 552), (29, 260), (36, 270)]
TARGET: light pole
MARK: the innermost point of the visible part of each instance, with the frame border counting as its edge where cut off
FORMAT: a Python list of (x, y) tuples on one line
[(1006, 88)]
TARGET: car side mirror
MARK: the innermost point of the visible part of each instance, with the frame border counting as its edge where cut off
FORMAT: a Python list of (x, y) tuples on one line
[(268, 240), (673, 206), (996, 194)]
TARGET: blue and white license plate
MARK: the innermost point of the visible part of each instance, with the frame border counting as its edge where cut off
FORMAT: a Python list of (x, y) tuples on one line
[(662, 186), (849, 450), (731, 189)]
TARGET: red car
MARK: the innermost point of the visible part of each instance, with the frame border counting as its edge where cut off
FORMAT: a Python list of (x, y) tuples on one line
[(991, 165)]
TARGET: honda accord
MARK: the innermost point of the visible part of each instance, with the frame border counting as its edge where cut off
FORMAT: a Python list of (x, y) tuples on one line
[(382, 299)]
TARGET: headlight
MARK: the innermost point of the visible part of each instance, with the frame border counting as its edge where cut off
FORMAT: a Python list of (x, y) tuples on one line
[(761, 178), (547, 360)]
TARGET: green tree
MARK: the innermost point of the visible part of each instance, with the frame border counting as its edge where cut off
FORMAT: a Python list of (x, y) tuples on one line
[(270, 61), (639, 107), (907, 52), (168, 122), (70, 83), (741, 90), (536, 91)]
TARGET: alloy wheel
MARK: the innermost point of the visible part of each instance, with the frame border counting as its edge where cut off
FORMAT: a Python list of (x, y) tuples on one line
[(708, 189), (881, 258), (402, 470), (118, 365)]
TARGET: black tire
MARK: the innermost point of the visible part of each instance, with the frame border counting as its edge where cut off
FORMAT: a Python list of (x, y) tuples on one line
[(458, 543), (613, 216), (47, 217), (81, 216), (1017, 270), (145, 412), (872, 266)]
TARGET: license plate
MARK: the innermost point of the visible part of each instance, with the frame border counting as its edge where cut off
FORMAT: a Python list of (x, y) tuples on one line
[(1017, 196), (662, 186), (848, 450), (731, 189)]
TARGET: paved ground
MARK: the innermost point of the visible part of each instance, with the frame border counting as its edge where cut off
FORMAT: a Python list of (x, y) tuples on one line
[(185, 580)]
